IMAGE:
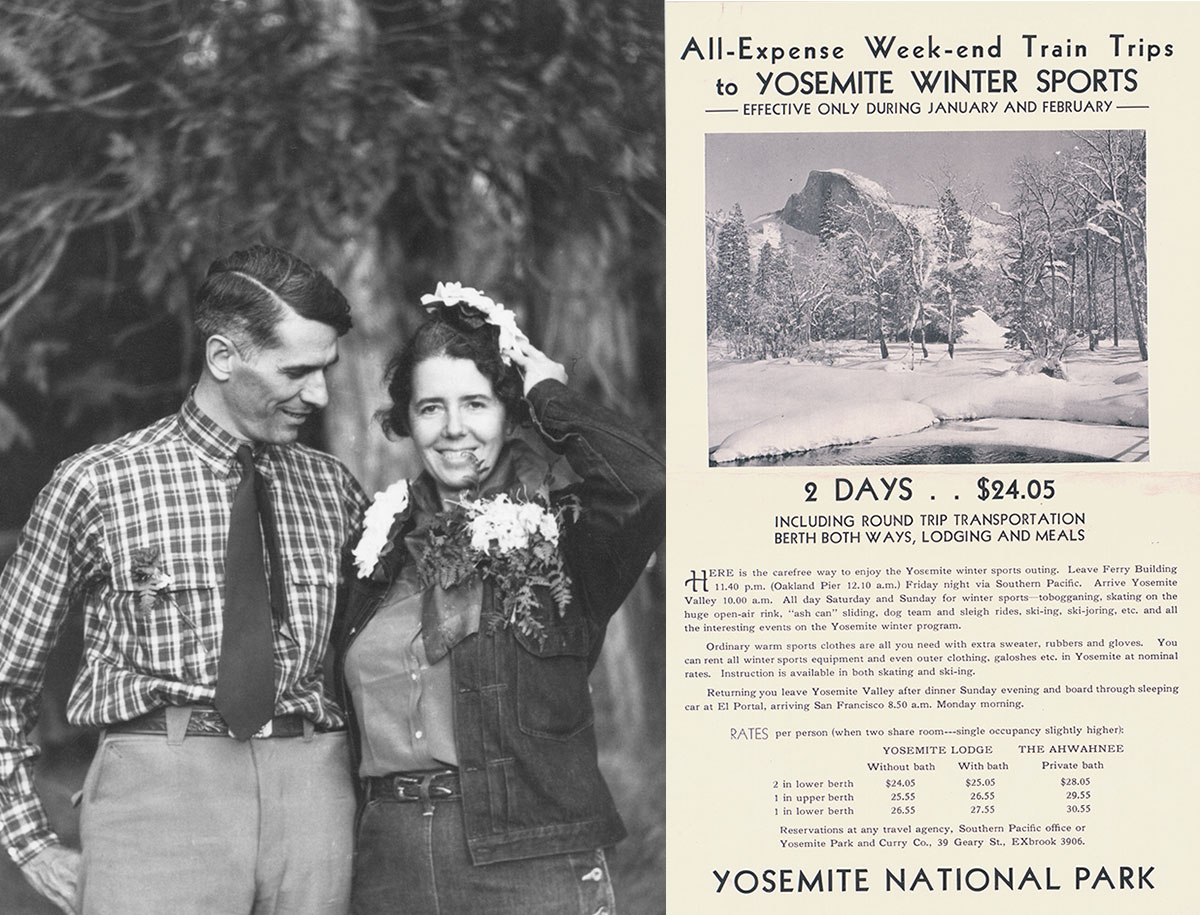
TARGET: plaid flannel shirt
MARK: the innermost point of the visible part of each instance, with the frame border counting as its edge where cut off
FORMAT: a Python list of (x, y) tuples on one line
[(152, 635)]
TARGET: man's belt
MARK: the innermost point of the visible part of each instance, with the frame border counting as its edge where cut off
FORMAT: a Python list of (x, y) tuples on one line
[(207, 722), (402, 787)]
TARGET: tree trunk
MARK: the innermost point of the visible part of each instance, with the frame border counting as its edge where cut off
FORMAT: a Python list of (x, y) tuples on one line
[(1089, 270), (356, 389), (1138, 330), (953, 317), (883, 350), (1116, 342), (1053, 283), (912, 344), (1071, 295)]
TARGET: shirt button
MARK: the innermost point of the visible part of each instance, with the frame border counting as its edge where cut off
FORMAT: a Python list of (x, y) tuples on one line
[(419, 734), (414, 675)]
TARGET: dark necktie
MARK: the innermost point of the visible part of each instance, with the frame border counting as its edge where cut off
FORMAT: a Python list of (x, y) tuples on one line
[(245, 694)]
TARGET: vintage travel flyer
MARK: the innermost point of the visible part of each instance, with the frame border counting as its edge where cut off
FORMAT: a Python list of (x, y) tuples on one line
[(932, 454)]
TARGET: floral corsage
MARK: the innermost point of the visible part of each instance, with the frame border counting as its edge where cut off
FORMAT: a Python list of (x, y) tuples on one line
[(148, 578), (477, 309), (511, 543), (381, 525)]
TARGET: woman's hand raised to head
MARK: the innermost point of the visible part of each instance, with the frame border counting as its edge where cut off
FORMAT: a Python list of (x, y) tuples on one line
[(536, 366)]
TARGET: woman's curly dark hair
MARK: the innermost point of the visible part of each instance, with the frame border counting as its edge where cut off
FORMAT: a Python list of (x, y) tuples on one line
[(460, 334)]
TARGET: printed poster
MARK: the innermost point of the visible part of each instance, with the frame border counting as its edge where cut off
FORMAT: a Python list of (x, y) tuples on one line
[(931, 443)]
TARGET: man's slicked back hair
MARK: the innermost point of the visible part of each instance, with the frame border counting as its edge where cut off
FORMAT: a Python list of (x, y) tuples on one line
[(244, 295)]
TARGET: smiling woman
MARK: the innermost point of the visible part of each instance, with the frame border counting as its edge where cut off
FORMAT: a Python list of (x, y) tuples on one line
[(458, 424), (478, 583)]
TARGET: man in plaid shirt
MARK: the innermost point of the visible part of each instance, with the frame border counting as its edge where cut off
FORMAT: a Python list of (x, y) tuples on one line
[(179, 816)]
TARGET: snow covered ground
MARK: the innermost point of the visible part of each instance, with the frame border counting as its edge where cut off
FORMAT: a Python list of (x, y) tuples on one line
[(781, 406)]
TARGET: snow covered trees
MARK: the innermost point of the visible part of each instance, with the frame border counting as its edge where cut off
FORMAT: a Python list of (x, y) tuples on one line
[(1089, 203), (871, 250), (1107, 170), (729, 279), (871, 276), (956, 275), (1064, 258), (772, 302)]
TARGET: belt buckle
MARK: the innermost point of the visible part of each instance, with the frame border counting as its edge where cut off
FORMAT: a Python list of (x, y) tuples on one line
[(399, 785), (425, 794)]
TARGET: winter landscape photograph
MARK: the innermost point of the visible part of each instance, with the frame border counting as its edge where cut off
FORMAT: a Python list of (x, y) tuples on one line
[(927, 298)]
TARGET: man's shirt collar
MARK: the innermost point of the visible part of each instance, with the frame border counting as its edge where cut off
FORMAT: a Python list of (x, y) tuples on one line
[(215, 445)]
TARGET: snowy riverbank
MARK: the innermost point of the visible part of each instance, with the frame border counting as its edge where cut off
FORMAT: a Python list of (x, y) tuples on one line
[(780, 406)]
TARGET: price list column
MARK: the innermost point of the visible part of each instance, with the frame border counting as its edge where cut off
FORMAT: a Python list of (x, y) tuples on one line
[(967, 795)]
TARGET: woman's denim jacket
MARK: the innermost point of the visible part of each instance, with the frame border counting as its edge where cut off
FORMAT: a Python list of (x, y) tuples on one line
[(523, 721)]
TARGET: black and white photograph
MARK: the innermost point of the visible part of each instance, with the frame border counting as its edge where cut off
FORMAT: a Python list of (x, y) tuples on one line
[(952, 297), (332, 490)]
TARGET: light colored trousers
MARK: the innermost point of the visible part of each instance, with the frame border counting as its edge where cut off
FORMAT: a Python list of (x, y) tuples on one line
[(216, 826)]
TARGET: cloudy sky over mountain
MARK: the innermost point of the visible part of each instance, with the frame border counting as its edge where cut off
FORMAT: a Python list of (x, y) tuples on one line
[(761, 170)]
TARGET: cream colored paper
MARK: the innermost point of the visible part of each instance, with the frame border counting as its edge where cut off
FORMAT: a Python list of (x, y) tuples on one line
[(1127, 815)]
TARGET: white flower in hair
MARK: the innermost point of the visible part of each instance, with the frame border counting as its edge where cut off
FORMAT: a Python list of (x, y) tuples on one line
[(448, 295), (377, 524)]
